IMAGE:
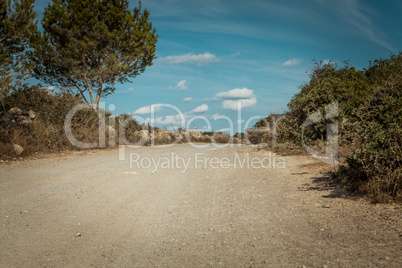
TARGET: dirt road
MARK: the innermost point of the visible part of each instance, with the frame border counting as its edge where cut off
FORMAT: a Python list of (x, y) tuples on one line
[(223, 210)]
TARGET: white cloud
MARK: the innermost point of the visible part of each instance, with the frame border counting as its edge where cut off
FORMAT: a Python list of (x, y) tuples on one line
[(147, 109), (130, 89), (325, 62), (292, 62), (200, 109), (238, 93), (182, 85), (189, 99), (234, 104), (215, 115), (169, 120), (49, 89), (199, 59), (176, 120), (232, 98), (235, 55)]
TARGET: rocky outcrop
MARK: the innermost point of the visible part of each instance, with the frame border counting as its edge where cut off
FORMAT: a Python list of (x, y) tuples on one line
[(14, 117), (195, 135), (160, 136), (142, 137), (163, 137)]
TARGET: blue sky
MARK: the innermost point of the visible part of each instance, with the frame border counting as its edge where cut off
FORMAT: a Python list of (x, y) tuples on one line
[(212, 53)]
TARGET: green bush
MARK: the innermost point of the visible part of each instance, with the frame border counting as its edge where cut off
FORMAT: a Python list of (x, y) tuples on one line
[(379, 159), (369, 119)]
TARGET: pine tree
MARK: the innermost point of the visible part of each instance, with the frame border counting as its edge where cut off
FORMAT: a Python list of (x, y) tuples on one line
[(89, 45), (17, 25)]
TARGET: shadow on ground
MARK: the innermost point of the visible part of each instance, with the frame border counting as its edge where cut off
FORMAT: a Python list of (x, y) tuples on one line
[(326, 184)]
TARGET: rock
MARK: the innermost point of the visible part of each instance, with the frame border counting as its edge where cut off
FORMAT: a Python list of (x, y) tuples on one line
[(15, 111), (142, 136), (162, 137), (24, 120), (18, 149), (15, 116), (195, 135), (179, 137), (78, 234), (31, 114)]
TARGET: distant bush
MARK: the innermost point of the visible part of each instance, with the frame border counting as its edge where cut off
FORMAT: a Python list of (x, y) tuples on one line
[(131, 128), (240, 136)]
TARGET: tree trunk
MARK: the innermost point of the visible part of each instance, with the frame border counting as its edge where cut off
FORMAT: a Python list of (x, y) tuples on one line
[(90, 93), (98, 95)]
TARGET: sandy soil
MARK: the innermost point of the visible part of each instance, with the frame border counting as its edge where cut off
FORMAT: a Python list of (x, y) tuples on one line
[(94, 210)]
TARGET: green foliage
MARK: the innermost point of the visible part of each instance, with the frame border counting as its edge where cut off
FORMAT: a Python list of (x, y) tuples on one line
[(130, 126), (379, 131), (383, 69), (17, 25), (89, 45), (370, 119), (328, 84), (268, 121)]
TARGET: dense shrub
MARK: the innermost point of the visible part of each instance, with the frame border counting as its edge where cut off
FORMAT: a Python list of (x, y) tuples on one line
[(47, 132), (346, 86), (378, 161), (369, 119)]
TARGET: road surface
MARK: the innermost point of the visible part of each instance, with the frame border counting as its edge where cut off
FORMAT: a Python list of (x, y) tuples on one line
[(188, 207)]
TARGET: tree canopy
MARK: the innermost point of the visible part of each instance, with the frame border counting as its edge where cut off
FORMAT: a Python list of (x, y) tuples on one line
[(17, 25), (89, 45)]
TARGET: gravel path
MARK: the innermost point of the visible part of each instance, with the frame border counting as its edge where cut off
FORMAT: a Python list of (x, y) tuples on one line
[(93, 210)]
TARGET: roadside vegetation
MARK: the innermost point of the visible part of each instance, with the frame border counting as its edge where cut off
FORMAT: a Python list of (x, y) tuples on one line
[(33, 119), (85, 48), (369, 123)]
